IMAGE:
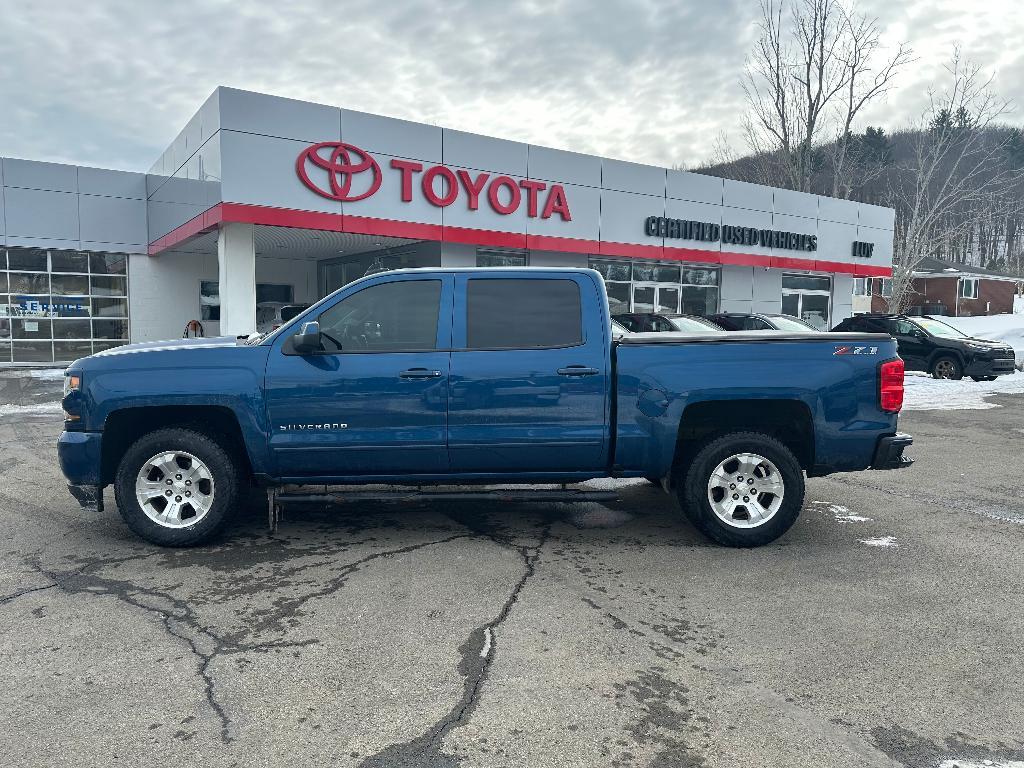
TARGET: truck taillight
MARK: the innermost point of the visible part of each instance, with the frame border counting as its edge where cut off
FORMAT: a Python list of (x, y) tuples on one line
[(890, 386)]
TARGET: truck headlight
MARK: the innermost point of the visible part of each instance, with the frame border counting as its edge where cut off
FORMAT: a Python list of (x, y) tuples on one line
[(72, 385)]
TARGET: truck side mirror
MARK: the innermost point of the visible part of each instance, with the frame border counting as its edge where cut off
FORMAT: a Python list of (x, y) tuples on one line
[(307, 340)]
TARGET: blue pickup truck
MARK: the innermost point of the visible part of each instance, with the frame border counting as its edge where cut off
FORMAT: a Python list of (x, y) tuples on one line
[(473, 376)]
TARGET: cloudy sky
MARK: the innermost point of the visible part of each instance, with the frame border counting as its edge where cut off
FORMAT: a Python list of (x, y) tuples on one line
[(111, 82)]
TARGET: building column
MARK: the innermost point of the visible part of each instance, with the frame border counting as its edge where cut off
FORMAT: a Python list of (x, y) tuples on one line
[(236, 260)]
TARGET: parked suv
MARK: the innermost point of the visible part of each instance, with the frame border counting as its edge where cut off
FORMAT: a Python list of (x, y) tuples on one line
[(928, 344), (738, 321)]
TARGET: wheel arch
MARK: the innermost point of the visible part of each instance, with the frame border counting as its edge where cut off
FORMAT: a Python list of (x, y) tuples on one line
[(787, 420), (125, 426), (956, 354)]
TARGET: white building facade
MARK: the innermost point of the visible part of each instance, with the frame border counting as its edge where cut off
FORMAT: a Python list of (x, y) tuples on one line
[(263, 201)]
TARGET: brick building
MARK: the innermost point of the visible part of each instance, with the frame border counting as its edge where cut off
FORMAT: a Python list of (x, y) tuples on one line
[(945, 288)]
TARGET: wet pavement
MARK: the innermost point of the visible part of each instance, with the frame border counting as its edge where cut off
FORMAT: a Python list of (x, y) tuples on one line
[(884, 630)]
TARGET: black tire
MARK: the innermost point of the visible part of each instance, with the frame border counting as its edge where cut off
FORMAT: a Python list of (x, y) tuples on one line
[(226, 485), (947, 367), (692, 490), (984, 378)]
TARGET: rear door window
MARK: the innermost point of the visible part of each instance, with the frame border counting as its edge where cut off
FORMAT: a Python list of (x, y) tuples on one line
[(904, 328), (510, 313)]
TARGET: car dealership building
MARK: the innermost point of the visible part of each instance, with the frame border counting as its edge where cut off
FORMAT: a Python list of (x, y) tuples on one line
[(263, 200)]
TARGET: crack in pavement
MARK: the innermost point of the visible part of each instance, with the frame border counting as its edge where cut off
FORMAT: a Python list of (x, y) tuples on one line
[(477, 654), (289, 607), (181, 622), (16, 595), (176, 621)]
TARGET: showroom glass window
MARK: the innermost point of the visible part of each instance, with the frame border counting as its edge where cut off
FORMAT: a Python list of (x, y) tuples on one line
[(58, 306), (648, 286), (490, 258), (267, 294)]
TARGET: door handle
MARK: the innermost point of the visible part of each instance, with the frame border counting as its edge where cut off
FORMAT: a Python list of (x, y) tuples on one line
[(419, 373), (578, 370)]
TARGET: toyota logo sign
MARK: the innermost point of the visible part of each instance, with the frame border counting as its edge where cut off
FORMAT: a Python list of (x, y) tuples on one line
[(336, 164), (339, 168)]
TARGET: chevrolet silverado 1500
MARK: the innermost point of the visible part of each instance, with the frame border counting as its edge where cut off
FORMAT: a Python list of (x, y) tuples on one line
[(470, 376)]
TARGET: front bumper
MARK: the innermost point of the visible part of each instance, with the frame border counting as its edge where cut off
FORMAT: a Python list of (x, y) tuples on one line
[(889, 453), (990, 366), (80, 455)]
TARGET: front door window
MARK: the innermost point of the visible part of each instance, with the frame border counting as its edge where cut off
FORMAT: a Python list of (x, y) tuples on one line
[(399, 316)]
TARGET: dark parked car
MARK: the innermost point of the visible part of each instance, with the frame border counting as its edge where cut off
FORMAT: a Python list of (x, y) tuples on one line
[(928, 344), (641, 322), (758, 321)]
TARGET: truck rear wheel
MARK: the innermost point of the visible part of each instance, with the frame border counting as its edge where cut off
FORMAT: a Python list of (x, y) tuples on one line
[(176, 487), (743, 489)]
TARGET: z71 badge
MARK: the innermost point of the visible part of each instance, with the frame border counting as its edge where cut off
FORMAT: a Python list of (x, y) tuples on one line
[(855, 351)]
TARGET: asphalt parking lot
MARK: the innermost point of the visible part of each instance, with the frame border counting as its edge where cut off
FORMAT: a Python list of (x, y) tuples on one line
[(886, 629)]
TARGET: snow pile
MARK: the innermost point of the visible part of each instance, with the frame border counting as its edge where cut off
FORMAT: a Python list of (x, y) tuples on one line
[(923, 393), (1005, 328)]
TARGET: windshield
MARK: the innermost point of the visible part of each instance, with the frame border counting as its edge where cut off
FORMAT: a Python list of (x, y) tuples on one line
[(785, 323), (940, 329), (691, 325)]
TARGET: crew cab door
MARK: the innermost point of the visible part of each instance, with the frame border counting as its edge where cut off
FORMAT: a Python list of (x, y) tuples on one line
[(374, 400), (530, 374)]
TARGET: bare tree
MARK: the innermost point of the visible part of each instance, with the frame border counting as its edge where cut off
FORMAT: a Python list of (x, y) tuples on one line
[(865, 82), (810, 75), (955, 169)]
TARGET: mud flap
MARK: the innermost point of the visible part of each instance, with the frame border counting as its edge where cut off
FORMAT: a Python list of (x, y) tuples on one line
[(89, 497)]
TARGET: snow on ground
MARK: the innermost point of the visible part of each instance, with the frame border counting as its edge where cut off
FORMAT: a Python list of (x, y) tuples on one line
[(841, 513), (7, 409), (1007, 328), (980, 763), (49, 374), (923, 393), (880, 541)]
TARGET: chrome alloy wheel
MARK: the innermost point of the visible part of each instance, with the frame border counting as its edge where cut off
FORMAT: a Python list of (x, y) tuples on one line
[(746, 490), (174, 489)]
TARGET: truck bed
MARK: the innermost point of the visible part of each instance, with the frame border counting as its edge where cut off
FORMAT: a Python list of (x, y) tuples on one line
[(738, 337), (828, 382)]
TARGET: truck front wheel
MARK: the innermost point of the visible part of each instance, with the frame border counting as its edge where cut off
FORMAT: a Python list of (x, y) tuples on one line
[(743, 489), (176, 487)]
